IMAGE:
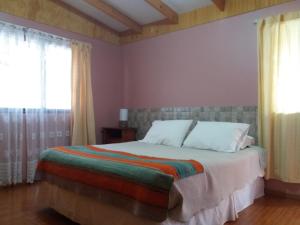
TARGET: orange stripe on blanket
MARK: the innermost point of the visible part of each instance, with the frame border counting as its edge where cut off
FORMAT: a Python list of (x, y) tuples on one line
[(198, 166), (164, 168), (116, 184)]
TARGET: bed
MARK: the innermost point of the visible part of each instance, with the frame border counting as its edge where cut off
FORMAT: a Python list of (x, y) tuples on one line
[(229, 183)]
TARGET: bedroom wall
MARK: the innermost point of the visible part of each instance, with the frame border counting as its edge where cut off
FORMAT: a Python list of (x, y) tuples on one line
[(209, 65), (213, 64), (106, 72)]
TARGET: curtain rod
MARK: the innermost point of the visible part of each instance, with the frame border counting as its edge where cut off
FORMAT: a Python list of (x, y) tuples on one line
[(25, 29)]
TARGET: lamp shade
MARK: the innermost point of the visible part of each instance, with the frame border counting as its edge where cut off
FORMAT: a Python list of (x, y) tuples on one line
[(123, 114)]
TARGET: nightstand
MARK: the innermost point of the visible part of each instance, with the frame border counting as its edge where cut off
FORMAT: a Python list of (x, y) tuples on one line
[(118, 135)]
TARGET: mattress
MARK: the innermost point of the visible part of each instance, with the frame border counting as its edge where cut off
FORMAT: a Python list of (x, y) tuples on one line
[(223, 174)]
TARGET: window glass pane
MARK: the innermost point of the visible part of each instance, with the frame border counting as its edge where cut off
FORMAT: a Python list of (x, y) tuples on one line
[(35, 74), (58, 77), (27, 76), (287, 91)]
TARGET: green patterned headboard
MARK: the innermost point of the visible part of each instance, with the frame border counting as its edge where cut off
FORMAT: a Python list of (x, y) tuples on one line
[(142, 118)]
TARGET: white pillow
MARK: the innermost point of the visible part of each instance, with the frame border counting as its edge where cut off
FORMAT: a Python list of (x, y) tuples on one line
[(247, 141), (168, 132), (218, 136)]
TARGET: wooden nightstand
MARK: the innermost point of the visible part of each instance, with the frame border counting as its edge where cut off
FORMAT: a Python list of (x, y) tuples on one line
[(117, 135)]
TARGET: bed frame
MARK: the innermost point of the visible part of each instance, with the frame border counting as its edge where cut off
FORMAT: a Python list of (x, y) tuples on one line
[(86, 210)]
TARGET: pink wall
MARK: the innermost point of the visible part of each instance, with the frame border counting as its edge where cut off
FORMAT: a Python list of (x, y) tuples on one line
[(106, 72), (211, 64)]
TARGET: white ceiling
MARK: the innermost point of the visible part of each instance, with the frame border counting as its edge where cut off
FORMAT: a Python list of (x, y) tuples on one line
[(182, 6), (138, 10), (97, 14)]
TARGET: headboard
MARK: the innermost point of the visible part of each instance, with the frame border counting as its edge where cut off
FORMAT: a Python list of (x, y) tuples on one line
[(143, 118)]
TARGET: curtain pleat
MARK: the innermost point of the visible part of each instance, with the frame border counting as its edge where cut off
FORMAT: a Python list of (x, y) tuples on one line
[(279, 108), (83, 122)]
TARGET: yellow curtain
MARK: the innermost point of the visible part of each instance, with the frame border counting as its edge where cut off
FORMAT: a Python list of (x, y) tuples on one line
[(83, 122), (279, 94)]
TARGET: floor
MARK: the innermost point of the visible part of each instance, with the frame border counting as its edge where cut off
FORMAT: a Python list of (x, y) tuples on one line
[(18, 206)]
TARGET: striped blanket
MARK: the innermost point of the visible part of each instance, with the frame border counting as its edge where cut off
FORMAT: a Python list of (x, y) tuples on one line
[(147, 180)]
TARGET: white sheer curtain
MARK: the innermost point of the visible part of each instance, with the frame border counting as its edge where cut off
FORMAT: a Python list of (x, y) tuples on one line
[(35, 99)]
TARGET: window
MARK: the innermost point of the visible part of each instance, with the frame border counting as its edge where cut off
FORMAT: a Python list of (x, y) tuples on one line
[(286, 83), (35, 72), (279, 94)]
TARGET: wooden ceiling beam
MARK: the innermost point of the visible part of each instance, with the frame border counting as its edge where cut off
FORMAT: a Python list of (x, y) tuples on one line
[(159, 22), (164, 9), (220, 4), (81, 14), (115, 14)]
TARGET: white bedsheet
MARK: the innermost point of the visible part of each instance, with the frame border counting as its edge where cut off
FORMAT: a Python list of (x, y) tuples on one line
[(223, 174)]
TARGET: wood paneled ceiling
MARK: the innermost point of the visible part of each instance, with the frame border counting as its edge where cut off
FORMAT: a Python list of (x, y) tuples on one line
[(127, 21), (127, 17)]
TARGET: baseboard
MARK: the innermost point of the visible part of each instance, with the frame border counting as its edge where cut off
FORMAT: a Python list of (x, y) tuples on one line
[(281, 194), (282, 189)]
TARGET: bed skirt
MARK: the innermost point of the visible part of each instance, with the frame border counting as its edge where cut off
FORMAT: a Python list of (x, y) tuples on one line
[(87, 211)]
